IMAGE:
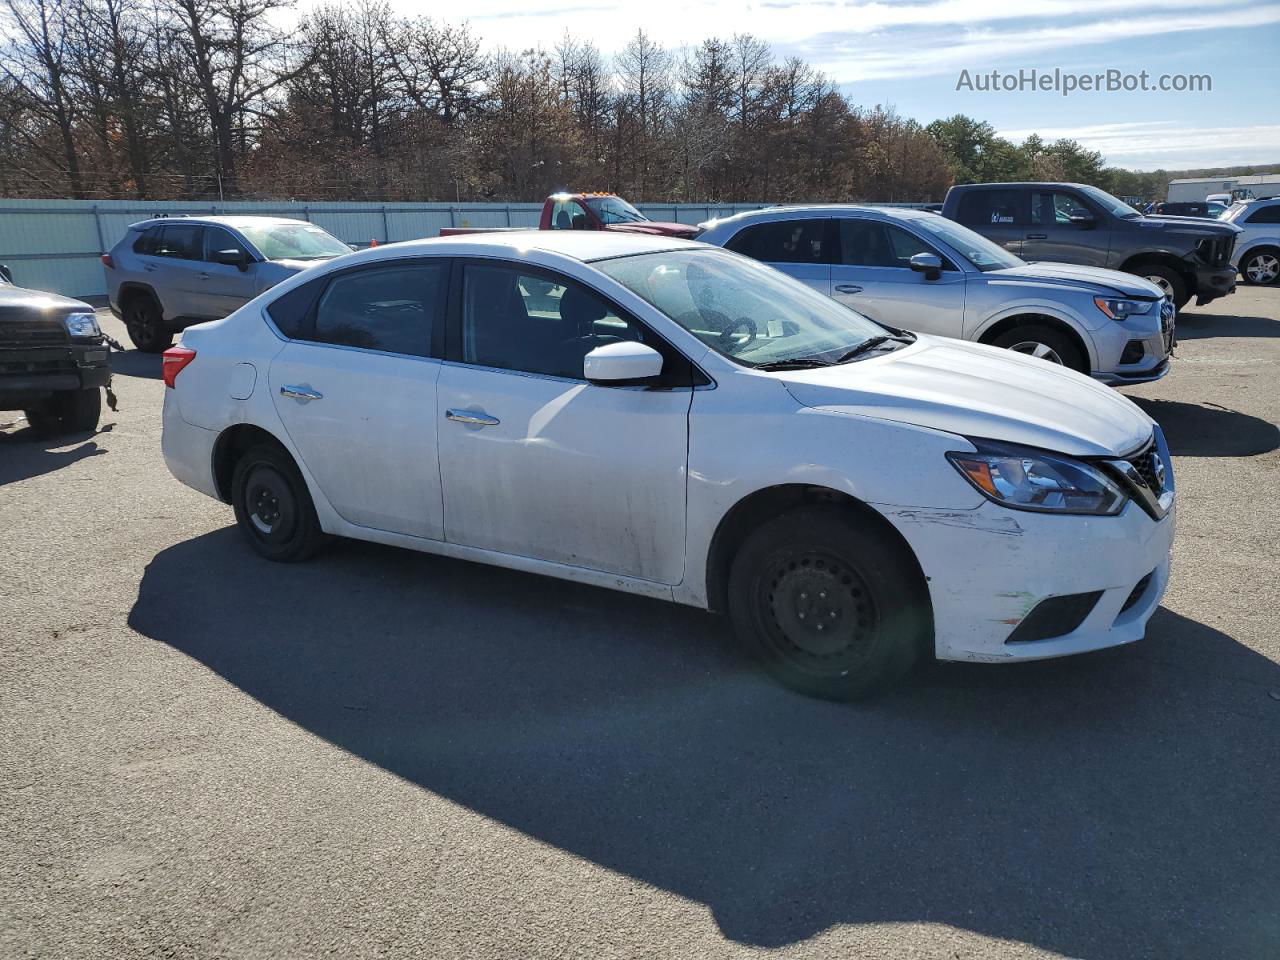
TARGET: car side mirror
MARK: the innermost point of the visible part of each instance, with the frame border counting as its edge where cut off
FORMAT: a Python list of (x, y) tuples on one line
[(930, 264), (1081, 218), (232, 258), (5, 273), (623, 364)]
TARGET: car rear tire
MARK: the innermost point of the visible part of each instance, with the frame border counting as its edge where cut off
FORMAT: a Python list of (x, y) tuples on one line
[(831, 607), (1045, 342), (1171, 283), (1261, 268), (75, 411), (143, 320), (273, 507)]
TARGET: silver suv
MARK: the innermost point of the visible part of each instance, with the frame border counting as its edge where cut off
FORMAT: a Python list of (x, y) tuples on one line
[(923, 272), (170, 272)]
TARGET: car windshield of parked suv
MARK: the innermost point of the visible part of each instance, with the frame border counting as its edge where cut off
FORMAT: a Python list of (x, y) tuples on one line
[(744, 310), (294, 241), (1114, 205), (974, 247), (615, 210)]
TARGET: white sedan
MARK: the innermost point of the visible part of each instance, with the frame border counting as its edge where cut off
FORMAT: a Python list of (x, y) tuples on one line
[(675, 420)]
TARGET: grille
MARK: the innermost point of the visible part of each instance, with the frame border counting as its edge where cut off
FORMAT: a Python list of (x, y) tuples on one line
[(1136, 593), (1145, 463), (31, 333), (1216, 251)]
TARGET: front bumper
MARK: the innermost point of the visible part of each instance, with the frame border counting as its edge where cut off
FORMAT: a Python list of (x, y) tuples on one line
[(1214, 282), (989, 567), (33, 373)]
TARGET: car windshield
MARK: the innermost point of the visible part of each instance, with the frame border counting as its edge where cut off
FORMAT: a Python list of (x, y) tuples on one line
[(741, 308), (614, 210), (974, 247), (294, 241), (1114, 205)]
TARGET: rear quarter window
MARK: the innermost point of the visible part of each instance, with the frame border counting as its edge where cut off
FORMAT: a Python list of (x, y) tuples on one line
[(290, 311)]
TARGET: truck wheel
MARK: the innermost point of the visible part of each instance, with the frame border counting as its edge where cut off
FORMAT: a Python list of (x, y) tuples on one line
[(1039, 340), (272, 505), (1261, 267), (830, 607), (1170, 282), (76, 411), (145, 324)]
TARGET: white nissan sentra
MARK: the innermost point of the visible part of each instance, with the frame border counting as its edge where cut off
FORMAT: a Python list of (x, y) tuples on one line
[(678, 421)]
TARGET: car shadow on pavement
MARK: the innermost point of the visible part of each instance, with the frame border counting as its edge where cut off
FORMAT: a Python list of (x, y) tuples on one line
[(1210, 430), (24, 453), (1199, 326), (1105, 806), (135, 363)]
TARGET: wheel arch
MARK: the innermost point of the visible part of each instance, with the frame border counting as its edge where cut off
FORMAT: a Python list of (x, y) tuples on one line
[(231, 445), (1003, 325), (132, 288), (766, 503), (1162, 259), (1258, 246)]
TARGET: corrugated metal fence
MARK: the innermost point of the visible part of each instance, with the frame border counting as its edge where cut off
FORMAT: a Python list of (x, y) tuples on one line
[(54, 245)]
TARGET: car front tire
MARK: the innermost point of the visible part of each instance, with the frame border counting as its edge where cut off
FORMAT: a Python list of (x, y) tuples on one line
[(76, 411), (1261, 268), (145, 324), (1171, 283), (829, 605), (273, 507), (1039, 340)]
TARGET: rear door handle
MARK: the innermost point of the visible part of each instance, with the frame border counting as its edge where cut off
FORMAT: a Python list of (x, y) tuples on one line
[(300, 393), (471, 416), (1037, 236), (848, 288)]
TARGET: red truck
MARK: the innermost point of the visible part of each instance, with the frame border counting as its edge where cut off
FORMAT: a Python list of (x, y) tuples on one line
[(591, 211)]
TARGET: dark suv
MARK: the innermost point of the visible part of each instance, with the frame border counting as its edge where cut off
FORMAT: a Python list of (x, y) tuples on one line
[(53, 359), (1076, 223)]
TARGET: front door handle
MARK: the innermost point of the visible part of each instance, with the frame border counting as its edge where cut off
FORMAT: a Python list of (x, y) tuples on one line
[(1037, 236), (470, 416), (300, 393), (848, 288)]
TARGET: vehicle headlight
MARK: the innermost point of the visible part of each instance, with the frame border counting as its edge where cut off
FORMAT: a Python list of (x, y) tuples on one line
[(1027, 479), (1118, 309), (82, 325)]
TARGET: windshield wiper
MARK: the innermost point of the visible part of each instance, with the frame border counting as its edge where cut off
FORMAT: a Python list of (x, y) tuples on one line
[(798, 363), (871, 343)]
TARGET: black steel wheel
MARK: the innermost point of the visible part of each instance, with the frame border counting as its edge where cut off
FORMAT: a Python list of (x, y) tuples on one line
[(143, 320), (273, 507), (831, 603)]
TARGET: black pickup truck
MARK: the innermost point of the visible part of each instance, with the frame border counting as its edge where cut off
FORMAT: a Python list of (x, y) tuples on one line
[(53, 359), (1076, 223)]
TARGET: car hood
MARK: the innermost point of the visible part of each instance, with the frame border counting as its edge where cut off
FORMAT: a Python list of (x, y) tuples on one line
[(20, 302), (979, 391), (1189, 226), (657, 228), (1071, 275), (295, 266)]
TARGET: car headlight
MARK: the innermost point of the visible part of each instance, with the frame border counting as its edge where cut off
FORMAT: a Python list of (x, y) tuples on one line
[(82, 325), (1027, 479), (1118, 309)]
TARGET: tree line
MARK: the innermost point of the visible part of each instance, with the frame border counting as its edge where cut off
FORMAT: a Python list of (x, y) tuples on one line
[(198, 99)]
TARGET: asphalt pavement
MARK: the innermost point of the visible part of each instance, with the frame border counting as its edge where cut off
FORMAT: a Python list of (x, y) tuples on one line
[(386, 754)]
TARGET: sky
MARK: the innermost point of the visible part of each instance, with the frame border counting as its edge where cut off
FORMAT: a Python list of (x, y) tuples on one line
[(911, 53)]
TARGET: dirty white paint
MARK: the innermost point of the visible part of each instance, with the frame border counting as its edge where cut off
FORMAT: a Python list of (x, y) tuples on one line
[(625, 487)]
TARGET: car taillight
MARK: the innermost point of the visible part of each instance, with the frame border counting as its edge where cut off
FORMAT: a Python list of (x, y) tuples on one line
[(175, 358), (108, 262)]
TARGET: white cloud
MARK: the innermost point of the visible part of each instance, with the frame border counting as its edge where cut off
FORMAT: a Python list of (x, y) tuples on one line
[(1168, 144)]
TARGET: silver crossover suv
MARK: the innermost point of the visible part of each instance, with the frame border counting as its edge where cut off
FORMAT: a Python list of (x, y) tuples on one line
[(919, 271), (171, 272)]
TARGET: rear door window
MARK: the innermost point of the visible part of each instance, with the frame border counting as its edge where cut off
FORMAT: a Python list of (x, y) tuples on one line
[(1269, 214), (784, 241), (182, 241), (393, 308), (989, 207)]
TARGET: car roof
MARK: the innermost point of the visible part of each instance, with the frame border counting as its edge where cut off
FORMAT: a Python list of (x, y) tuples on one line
[(820, 210), (581, 245), (234, 222)]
